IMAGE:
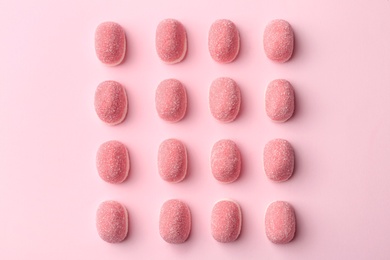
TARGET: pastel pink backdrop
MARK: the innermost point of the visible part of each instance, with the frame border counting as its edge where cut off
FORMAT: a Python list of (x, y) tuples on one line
[(49, 132)]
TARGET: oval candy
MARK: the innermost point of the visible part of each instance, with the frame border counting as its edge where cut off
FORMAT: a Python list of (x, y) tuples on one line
[(112, 221), (278, 40), (224, 41), (172, 160), (171, 41), (112, 162), (278, 160), (171, 100), (224, 99), (111, 102), (225, 161), (279, 100), (226, 221), (280, 222), (175, 221), (110, 43)]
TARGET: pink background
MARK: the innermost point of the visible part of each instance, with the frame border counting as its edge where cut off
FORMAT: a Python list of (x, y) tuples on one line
[(49, 131)]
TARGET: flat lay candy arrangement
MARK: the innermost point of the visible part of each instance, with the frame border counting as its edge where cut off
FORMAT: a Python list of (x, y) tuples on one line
[(113, 160), (220, 129)]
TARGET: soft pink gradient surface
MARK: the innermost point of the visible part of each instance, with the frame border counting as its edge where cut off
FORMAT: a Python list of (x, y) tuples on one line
[(50, 133)]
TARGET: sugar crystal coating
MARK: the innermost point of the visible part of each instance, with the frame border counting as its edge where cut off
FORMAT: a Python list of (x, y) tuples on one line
[(226, 221), (224, 41), (111, 102), (171, 100), (280, 222), (110, 43), (225, 161), (112, 162), (279, 100), (224, 99), (112, 221), (278, 40), (171, 41), (278, 160), (172, 160), (175, 221)]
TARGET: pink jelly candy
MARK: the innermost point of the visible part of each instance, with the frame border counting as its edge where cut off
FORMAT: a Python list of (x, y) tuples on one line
[(225, 161), (278, 41), (112, 221), (278, 160), (171, 100), (175, 221), (280, 223), (226, 221), (279, 100), (224, 99), (224, 41), (111, 102), (112, 162), (172, 160), (171, 41), (110, 43)]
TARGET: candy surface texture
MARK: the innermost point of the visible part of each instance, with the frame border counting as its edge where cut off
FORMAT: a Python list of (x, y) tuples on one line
[(111, 102), (226, 221), (224, 99), (279, 100), (171, 41), (171, 100), (280, 222), (112, 221), (110, 43), (225, 161), (175, 221), (172, 160), (278, 41), (224, 41), (278, 160), (112, 162)]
